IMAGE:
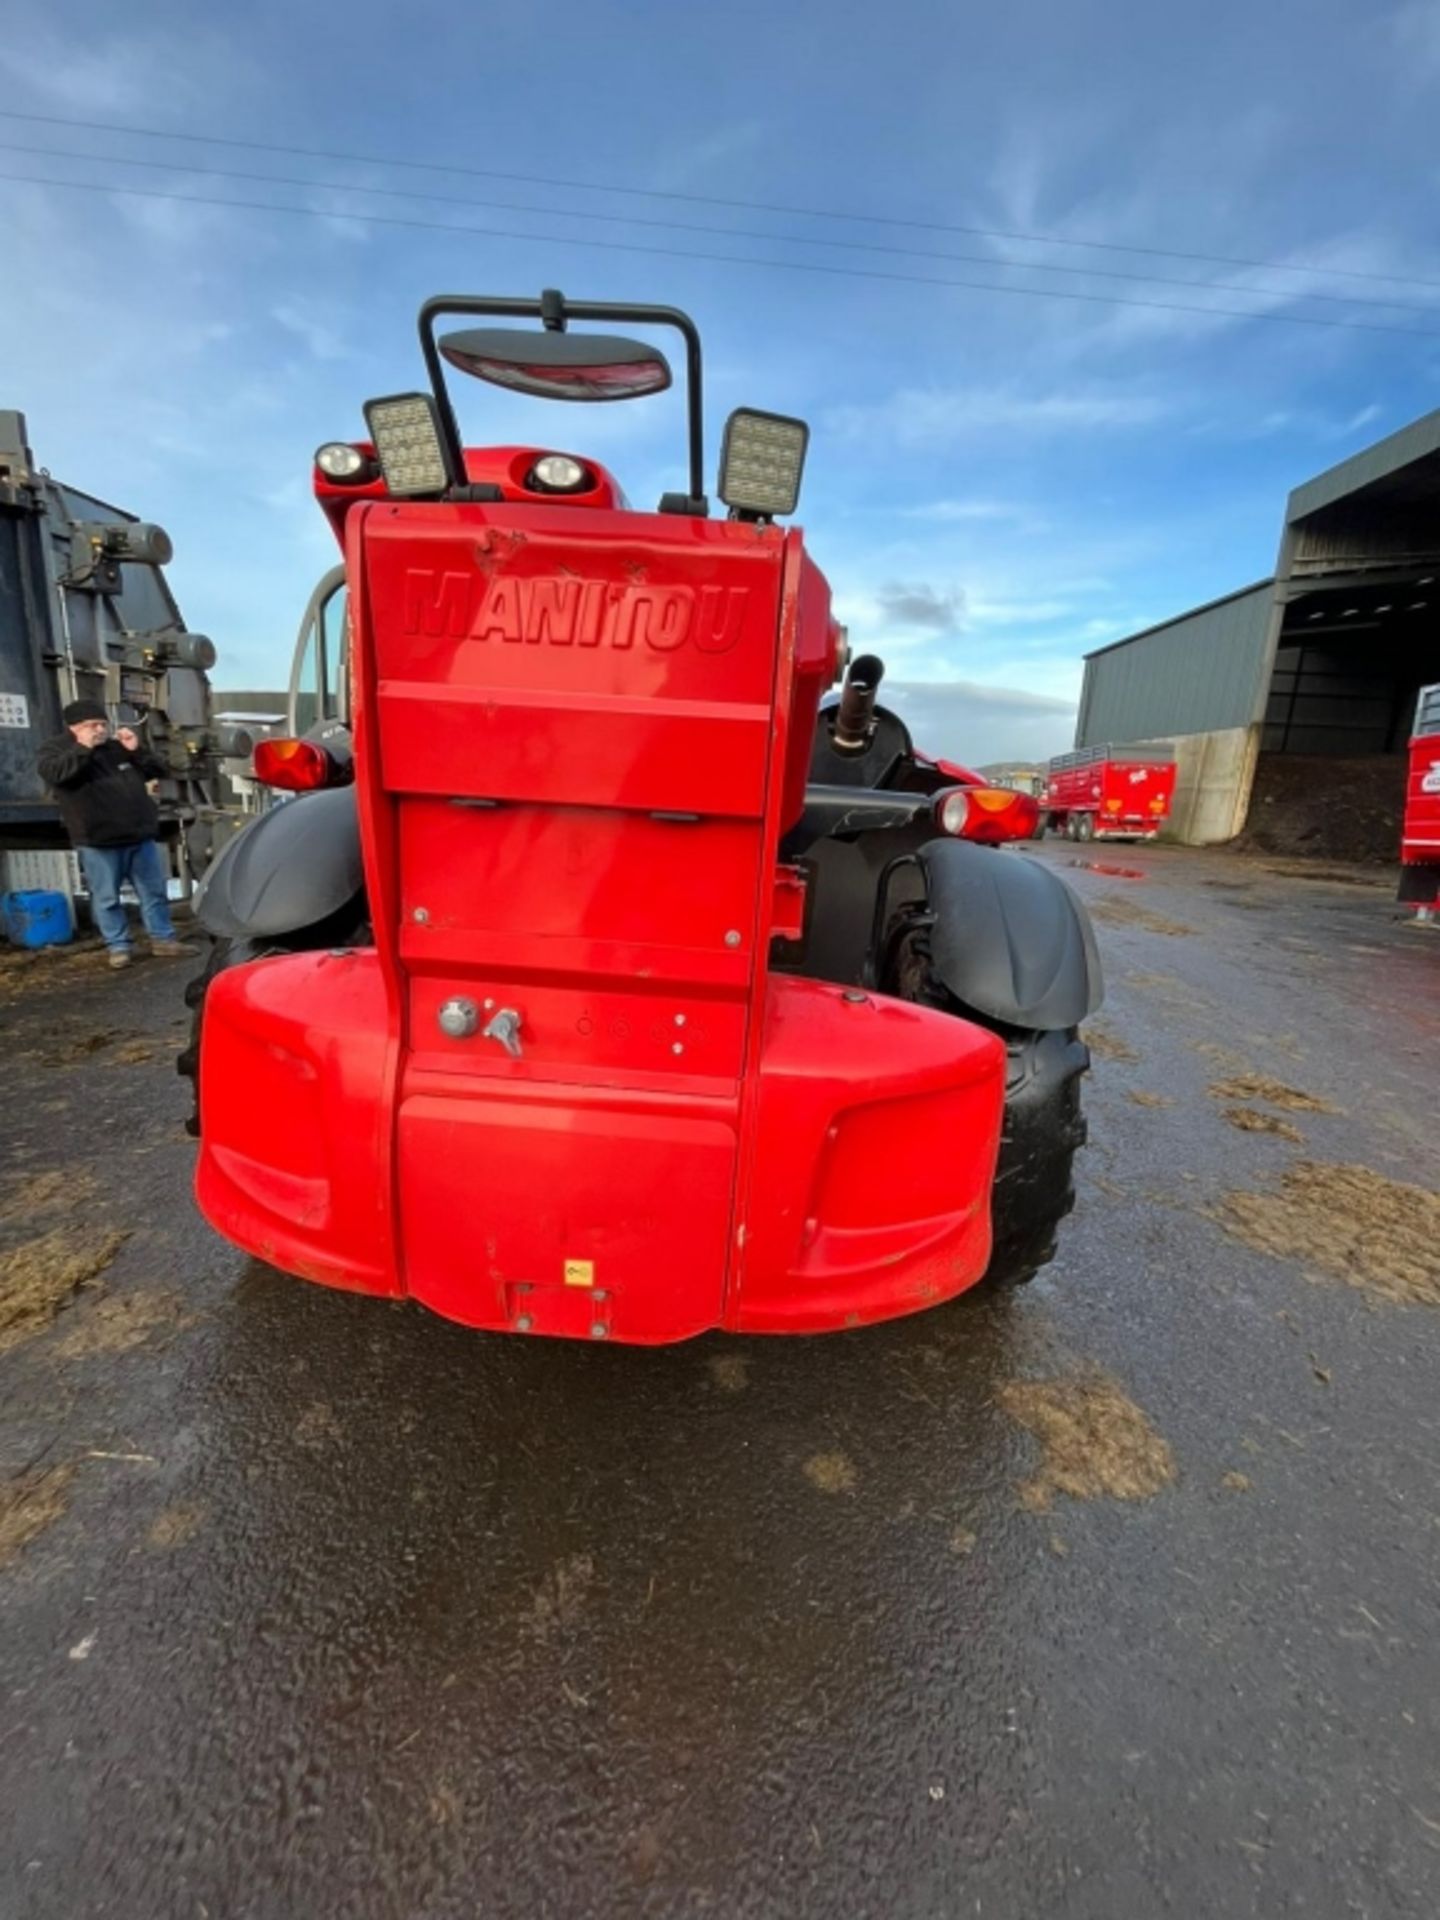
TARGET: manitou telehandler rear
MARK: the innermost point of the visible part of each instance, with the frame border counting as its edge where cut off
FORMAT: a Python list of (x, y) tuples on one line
[(598, 980)]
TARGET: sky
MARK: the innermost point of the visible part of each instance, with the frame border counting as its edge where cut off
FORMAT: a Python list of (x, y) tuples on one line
[(1002, 475)]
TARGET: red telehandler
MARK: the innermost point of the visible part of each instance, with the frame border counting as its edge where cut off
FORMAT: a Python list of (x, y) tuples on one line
[(598, 980)]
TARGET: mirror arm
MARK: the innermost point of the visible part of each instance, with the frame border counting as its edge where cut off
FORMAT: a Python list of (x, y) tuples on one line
[(452, 448)]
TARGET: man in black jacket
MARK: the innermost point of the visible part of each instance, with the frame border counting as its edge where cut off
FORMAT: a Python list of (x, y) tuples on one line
[(99, 785)]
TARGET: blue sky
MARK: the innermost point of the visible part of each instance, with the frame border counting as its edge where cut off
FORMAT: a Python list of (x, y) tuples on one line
[(996, 483)]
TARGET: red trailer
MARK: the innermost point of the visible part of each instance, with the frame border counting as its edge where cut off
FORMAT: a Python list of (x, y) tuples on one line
[(1420, 835), (1110, 793)]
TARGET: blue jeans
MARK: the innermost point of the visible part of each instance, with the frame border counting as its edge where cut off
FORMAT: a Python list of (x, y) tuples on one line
[(106, 869)]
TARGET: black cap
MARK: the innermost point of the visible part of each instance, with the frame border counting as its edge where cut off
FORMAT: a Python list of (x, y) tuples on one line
[(82, 710)]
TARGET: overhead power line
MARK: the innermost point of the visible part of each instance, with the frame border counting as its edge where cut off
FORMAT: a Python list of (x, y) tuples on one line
[(709, 200), (715, 233), (721, 259)]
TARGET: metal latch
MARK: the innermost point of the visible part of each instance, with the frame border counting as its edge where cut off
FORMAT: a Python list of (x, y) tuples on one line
[(504, 1026)]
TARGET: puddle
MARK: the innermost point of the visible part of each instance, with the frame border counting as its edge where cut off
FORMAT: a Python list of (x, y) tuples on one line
[(1095, 1442), (1110, 872), (1113, 911), (1351, 1223)]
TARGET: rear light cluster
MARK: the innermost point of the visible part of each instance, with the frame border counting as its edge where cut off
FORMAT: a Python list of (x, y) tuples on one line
[(298, 766), (987, 814)]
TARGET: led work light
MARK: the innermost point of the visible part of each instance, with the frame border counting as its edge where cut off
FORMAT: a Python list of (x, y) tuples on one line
[(407, 444), (761, 460), (338, 460), (558, 473)]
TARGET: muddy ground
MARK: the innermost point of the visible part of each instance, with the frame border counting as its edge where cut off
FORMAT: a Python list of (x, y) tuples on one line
[(1310, 807), (1119, 1596)]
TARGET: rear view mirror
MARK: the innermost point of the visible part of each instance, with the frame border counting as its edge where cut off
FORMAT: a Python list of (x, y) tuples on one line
[(559, 366)]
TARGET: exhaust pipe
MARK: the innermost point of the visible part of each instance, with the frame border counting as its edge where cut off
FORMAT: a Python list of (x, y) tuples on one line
[(855, 715)]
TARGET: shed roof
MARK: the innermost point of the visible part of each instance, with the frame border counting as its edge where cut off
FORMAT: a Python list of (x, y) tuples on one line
[(1378, 462), (1176, 619)]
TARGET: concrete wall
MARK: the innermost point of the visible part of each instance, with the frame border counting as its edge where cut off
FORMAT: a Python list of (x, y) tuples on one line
[(1213, 775)]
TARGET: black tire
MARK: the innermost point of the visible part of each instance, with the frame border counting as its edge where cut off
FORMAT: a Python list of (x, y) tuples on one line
[(341, 929), (1085, 832), (1042, 1130)]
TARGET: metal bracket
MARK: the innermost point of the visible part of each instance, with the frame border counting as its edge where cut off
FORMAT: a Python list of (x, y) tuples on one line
[(504, 1026)]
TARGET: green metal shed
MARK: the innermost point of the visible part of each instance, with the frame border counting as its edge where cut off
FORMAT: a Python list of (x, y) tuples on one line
[(1324, 661)]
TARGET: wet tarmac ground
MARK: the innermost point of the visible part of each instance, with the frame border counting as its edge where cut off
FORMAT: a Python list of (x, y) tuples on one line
[(1116, 1596)]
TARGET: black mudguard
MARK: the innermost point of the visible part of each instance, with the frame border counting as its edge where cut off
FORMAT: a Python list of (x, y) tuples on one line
[(291, 868), (1008, 937)]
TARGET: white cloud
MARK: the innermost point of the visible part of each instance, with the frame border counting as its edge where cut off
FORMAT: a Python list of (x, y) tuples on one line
[(980, 694), (153, 77), (917, 417), (171, 223), (1363, 417), (1018, 612), (321, 339), (1292, 423), (961, 512), (973, 721), (61, 70), (916, 603)]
